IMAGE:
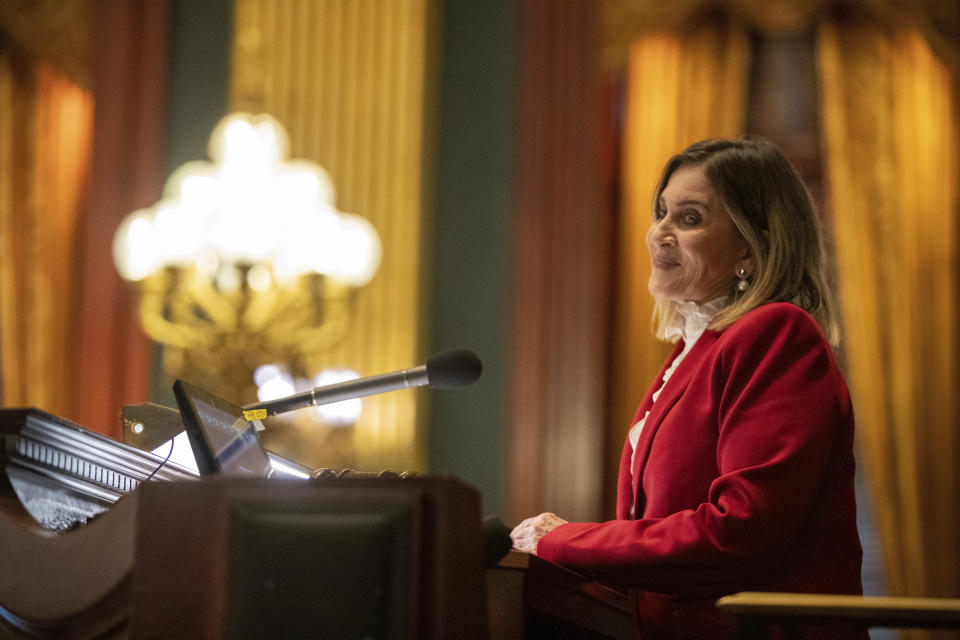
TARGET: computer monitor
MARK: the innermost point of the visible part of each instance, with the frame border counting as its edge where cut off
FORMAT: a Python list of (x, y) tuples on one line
[(223, 441)]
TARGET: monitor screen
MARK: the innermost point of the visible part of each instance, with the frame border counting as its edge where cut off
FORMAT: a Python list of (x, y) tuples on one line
[(223, 441)]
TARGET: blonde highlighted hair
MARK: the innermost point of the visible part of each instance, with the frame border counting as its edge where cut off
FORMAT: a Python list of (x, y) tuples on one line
[(772, 209)]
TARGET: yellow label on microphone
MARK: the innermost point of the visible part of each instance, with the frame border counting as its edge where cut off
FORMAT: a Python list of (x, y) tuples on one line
[(255, 414)]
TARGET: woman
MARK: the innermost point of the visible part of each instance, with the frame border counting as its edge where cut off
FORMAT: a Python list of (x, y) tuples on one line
[(738, 471)]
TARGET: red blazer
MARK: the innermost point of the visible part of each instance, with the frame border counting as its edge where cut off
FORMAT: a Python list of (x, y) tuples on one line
[(743, 480)]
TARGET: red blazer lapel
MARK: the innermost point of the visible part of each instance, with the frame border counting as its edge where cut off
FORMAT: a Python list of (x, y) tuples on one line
[(672, 391), (626, 480), (624, 488), (647, 401)]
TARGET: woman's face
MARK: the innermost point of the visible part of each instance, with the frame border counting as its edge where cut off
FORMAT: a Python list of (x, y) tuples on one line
[(695, 250)]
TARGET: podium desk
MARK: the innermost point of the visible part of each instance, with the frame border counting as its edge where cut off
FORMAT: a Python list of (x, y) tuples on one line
[(528, 597), (89, 548)]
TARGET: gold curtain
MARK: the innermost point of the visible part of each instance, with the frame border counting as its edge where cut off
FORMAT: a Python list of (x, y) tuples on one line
[(683, 85), (348, 80), (64, 313), (45, 133), (890, 114), (890, 95)]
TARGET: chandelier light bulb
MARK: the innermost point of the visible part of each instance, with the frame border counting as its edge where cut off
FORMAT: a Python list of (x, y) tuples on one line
[(249, 205), (133, 249)]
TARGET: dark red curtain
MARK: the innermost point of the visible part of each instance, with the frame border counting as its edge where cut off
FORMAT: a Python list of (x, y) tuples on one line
[(562, 236), (113, 356)]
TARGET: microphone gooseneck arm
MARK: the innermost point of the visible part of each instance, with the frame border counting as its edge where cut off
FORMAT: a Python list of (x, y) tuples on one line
[(445, 370), (404, 379)]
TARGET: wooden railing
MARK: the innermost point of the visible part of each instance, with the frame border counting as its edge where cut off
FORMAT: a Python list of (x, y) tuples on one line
[(756, 612)]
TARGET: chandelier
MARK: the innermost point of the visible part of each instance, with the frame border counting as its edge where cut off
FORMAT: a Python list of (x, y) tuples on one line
[(245, 260)]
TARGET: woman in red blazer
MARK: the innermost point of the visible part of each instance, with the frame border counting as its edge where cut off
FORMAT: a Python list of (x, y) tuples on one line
[(738, 472)]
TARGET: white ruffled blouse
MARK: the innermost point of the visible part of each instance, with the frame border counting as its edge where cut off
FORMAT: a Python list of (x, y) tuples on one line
[(691, 322)]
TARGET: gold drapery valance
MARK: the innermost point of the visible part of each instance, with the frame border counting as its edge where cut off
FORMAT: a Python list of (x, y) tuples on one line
[(56, 31), (624, 20)]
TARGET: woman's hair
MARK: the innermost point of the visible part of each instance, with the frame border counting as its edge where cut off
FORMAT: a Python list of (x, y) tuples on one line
[(772, 210)]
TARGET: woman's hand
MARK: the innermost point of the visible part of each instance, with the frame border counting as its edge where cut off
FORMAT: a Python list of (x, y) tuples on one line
[(527, 534)]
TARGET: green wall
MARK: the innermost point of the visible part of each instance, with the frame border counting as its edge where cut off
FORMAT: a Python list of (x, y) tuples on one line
[(198, 97), (200, 35), (469, 261)]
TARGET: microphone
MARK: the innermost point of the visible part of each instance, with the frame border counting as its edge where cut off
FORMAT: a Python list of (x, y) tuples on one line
[(496, 541), (447, 370)]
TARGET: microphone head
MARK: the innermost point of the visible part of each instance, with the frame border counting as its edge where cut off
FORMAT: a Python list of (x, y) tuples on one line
[(496, 541), (456, 368)]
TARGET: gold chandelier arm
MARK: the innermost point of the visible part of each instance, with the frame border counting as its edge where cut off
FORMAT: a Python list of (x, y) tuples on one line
[(155, 305), (265, 309), (184, 311), (311, 315), (215, 304), (330, 331)]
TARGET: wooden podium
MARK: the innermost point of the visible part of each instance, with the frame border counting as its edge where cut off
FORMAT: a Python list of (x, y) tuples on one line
[(236, 557), (531, 598), (253, 558), (351, 558)]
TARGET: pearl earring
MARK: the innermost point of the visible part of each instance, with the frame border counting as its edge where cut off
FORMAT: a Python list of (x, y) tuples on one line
[(743, 284)]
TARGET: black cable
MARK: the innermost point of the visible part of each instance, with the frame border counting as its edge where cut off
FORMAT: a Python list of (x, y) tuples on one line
[(165, 460)]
